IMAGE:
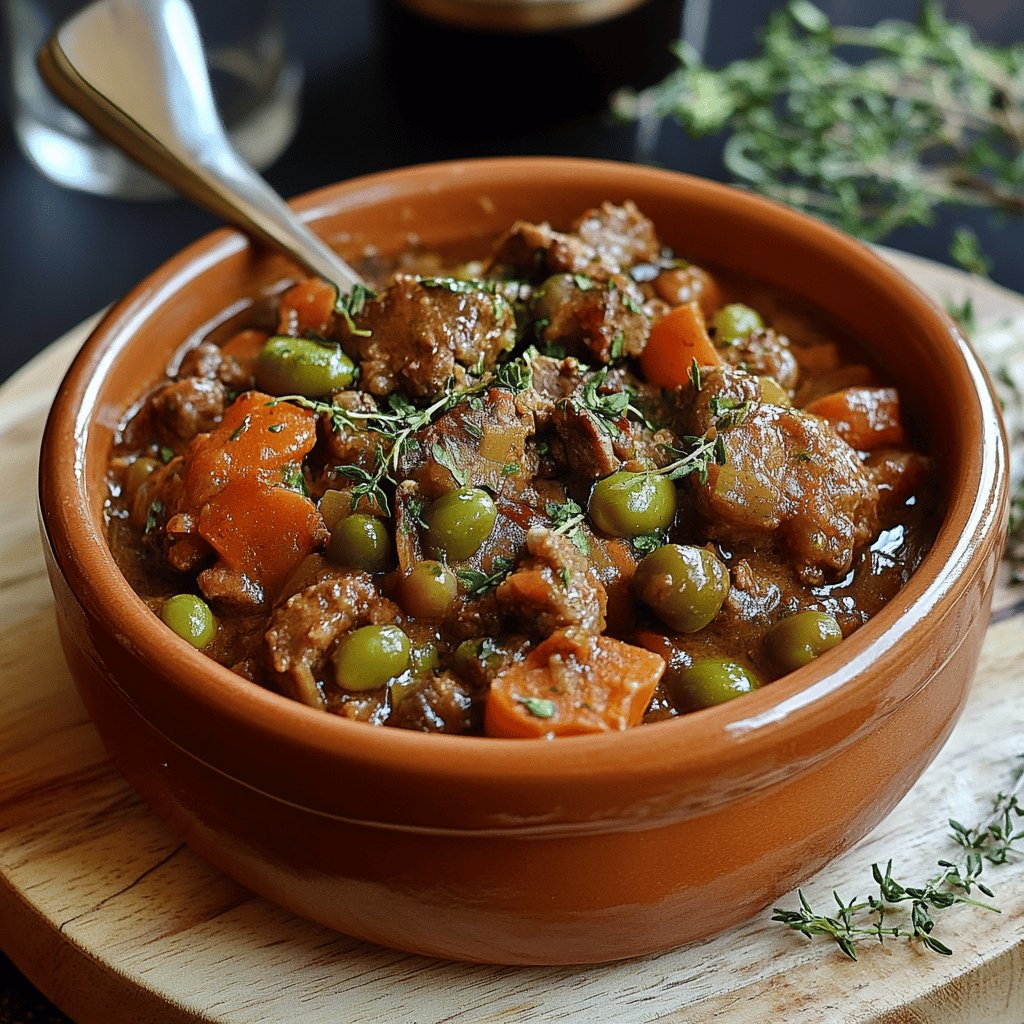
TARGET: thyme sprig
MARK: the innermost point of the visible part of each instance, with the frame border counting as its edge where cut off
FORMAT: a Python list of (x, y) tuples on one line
[(693, 455), (993, 841), (608, 408), (349, 305), (567, 518), (870, 128), (478, 583), (399, 420)]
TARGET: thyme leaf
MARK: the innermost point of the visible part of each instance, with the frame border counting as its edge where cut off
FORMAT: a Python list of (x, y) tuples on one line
[(567, 518), (349, 305), (478, 583)]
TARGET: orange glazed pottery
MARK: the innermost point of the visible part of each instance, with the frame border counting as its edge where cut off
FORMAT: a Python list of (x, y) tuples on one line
[(530, 851)]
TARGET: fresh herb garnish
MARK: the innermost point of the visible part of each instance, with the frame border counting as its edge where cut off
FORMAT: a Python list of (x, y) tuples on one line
[(240, 429), (293, 479), (349, 305), (694, 375), (607, 409), (443, 457), (728, 412), (993, 841), (368, 486), (153, 514), (647, 542), (477, 583), (694, 455), (567, 519), (538, 706), (399, 420)]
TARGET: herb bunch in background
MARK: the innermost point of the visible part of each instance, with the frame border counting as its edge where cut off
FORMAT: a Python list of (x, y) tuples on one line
[(869, 128)]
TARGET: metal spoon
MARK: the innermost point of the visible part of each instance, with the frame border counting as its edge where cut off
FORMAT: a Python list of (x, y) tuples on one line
[(136, 71)]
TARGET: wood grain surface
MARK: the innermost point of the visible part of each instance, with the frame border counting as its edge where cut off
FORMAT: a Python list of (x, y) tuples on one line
[(116, 921)]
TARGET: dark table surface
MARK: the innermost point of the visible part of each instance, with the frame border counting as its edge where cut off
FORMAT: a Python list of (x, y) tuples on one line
[(67, 254)]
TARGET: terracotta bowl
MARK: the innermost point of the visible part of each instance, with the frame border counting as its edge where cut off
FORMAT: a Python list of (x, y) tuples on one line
[(585, 849)]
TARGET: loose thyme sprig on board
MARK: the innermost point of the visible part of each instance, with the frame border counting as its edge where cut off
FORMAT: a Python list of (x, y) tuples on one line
[(907, 911)]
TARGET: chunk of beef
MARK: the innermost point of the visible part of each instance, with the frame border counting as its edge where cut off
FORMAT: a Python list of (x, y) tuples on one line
[(553, 587), (225, 588), (211, 362), (553, 380), (724, 394), (603, 241), (591, 440), (183, 408), (788, 474), (422, 332), (301, 633), (620, 235), (484, 440), (351, 447), (441, 703), (581, 445), (899, 475), (535, 251), (597, 321), (766, 354)]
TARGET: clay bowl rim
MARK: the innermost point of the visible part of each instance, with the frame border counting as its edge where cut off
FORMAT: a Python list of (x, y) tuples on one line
[(795, 705)]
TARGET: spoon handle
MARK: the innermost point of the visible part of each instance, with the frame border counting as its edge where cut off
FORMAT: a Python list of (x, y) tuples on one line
[(136, 71)]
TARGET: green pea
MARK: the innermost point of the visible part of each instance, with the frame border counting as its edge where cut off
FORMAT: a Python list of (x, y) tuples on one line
[(287, 366), (427, 590), (368, 657), (683, 585), (734, 322), (423, 658), (360, 542), (628, 504), (710, 681), (554, 293), (800, 638), (190, 617), (458, 523)]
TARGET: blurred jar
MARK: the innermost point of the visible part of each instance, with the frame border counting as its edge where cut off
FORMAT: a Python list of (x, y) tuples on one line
[(256, 89), (484, 62)]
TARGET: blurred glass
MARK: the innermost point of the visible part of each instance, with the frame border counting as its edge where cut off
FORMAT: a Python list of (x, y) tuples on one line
[(256, 88)]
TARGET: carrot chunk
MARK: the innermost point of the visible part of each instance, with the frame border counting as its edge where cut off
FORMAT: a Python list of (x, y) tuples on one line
[(676, 340), (866, 418), (261, 531), (258, 436), (573, 683), (307, 308)]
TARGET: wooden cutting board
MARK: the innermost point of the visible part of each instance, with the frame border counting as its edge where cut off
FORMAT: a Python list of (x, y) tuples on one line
[(115, 920)]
